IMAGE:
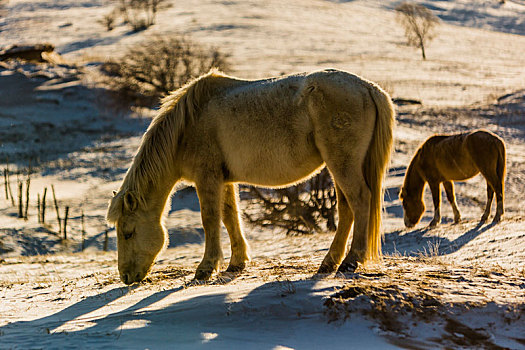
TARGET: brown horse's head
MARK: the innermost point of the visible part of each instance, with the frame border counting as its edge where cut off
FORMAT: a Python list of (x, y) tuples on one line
[(413, 207), (140, 236)]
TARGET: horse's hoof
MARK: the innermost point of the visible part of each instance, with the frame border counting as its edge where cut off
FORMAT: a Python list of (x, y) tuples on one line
[(236, 268), (483, 219), (496, 220), (345, 267), (203, 275), (326, 268)]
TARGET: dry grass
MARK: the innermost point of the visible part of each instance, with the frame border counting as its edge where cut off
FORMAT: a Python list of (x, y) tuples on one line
[(398, 293), (403, 292)]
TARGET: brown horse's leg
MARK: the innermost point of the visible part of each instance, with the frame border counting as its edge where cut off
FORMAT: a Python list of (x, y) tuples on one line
[(498, 188), (494, 185), (338, 247), (209, 193), (490, 196), (449, 190), (230, 218), (436, 198)]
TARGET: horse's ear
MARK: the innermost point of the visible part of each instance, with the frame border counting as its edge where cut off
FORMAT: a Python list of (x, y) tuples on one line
[(114, 193), (402, 193), (130, 201)]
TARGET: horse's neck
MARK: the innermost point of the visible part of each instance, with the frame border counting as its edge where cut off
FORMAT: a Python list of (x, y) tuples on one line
[(156, 196), (414, 181), (153, 190)]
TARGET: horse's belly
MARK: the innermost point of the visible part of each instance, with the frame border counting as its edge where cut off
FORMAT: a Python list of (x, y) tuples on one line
[(274, 170), (268, 148), (269, 162), (460, 172)]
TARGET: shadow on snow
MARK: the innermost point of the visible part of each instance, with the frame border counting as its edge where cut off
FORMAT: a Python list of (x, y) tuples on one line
[(212, 321)]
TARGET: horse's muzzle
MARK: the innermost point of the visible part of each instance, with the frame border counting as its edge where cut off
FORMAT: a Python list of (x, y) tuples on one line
[(130, 278), (408, 224)]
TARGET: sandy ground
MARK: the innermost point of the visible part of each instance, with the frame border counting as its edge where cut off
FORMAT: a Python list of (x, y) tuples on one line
[(454, 286)]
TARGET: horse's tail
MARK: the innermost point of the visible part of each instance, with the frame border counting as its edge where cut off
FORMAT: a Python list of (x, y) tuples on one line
[(501, 164), (376, 162)]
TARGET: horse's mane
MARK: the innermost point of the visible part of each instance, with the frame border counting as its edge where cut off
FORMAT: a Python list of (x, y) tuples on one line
[(158, 147), (412, 168), (424, 150)]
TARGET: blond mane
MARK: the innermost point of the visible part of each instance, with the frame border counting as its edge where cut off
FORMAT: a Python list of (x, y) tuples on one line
[(159, 143)]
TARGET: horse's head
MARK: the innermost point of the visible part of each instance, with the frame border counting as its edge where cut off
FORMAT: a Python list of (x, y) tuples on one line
[(413, 207), (140, 235)]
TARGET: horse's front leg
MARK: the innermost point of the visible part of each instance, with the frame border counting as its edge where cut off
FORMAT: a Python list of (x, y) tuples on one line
[(230, 218), (209, 192), (436, 197), (449, 190)]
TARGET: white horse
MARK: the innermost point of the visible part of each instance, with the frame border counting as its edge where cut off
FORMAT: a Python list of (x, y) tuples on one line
[(217, 131)]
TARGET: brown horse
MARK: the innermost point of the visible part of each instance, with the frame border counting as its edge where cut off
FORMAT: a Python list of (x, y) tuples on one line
[(447, 158)]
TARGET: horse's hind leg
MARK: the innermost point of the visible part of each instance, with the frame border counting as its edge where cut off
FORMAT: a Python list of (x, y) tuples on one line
[(209, 193), (230, 218), (449, 190), (358, 196), (490, 196), (498, 189), (499, 208), (494, 186), (338, 247)]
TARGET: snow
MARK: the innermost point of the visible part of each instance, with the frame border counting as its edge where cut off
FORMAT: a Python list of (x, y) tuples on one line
[(53, 295)]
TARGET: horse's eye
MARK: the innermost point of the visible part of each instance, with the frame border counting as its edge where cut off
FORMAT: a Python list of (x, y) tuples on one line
[(128, 235)]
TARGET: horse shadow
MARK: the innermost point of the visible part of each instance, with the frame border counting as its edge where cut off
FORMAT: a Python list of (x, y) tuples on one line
[(16, 333), (421, 242), (214, 320)]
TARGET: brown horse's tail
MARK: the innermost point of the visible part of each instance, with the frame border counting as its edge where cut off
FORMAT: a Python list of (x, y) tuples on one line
[(376, 162), (501, 165)]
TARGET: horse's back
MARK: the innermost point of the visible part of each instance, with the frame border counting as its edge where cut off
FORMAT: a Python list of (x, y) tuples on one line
[(446, 157), (269, 135), (484, 142), (462, 156)]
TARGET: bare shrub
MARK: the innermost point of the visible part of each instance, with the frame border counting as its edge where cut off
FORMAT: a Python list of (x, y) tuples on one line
[(419, 23), (109, 20), (153, 69), (140, 14), (300, 209)]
